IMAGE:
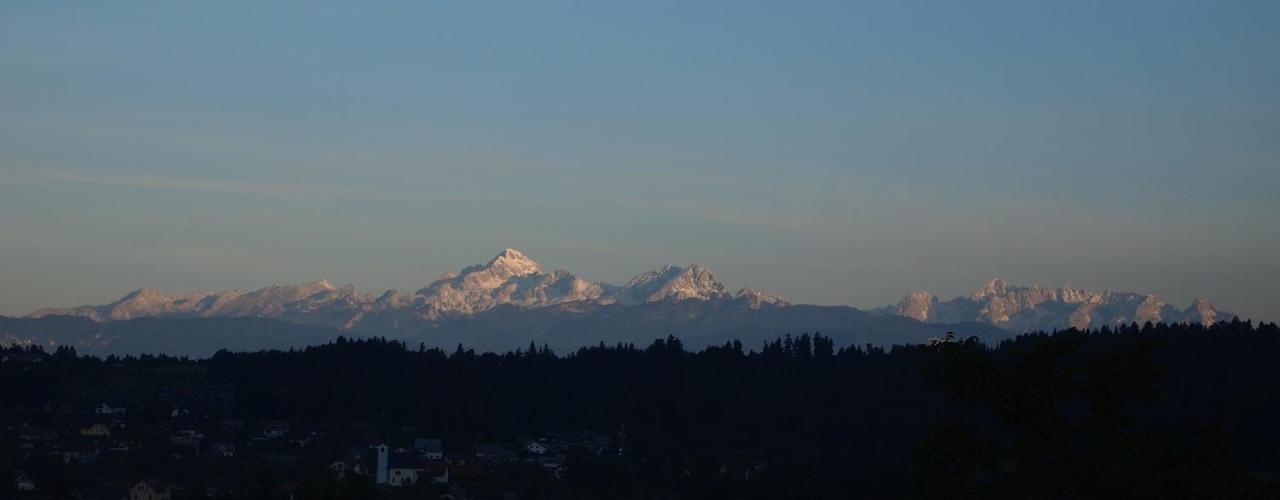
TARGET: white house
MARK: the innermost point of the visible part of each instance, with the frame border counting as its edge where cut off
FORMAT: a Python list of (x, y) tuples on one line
[(536, 447), (274, 428), (96, 430), (429, 448), (150, 490), (224, 449), (105, 409), (339, 469), (188, 434), (403, 475), (437, 471)]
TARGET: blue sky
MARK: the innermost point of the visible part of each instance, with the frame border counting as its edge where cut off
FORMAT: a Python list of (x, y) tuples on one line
[(836, 152)]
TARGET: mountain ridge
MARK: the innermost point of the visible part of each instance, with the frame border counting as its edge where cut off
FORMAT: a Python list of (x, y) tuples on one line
[(509, 278)]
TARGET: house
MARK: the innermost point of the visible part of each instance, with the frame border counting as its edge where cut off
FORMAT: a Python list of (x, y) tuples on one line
[(455, 493), (24, 483), (115, 452), (403, 470), (553, 464), (96, 430), (188, 434), (352, 462), (151, 489), (342, 468), (437, 471), (21, 358), (494, 453), (466, 472), (108, 490), (536, 447), (77, 451), (105, 409), (224, 449), (188, 438), (408, 470), (33, 433), (592, 442), (429, 448), (274, 428)]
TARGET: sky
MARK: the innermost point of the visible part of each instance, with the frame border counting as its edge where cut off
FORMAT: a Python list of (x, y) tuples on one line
[(835, 152)]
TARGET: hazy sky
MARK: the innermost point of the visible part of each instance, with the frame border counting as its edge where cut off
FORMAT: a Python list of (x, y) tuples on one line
[(833, 151)]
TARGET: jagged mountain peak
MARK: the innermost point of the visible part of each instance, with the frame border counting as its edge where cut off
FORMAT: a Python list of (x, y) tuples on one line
[(321, 283), (916, 305), (1201, 302), (672, 282), (510, 263), (515, 262), (144, 294), (757, 298), (993, 287), (1202, 311)]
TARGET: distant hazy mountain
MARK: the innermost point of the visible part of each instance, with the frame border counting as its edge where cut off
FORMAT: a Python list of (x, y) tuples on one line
[(196, 337), (510, 301), (1020, 309), (697, 322)]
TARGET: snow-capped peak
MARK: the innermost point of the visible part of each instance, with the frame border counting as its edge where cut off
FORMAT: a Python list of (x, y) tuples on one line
[(512, 262), (672, 283), (516, 261), (318, 286), (993, 287)]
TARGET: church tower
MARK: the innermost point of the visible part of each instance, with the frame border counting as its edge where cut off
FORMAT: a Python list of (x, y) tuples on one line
[(381, 476)]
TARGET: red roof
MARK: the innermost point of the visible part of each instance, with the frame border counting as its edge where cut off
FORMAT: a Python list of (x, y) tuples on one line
[(467, 471), (436, 468)]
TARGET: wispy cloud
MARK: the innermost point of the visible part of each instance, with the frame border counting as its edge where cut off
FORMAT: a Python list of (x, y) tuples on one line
[(221, 186), (698, 210), (235, 187)]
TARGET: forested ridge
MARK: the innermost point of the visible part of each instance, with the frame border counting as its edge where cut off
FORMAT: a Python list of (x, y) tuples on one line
[(1137, 411)]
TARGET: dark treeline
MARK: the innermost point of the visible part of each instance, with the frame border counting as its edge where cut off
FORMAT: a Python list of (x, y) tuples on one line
[(1153, 411)]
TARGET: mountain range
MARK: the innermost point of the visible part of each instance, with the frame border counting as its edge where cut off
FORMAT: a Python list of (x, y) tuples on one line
[(509, 279), (510, 301), (1033, 308)]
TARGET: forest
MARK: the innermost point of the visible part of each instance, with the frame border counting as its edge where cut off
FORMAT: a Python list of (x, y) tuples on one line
[(1136, 411)]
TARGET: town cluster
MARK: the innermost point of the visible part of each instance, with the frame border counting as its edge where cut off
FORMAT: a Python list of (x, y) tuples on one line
[(104, 453)]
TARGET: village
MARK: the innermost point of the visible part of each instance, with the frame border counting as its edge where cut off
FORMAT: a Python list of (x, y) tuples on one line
[(109, 451), (103, 448)]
